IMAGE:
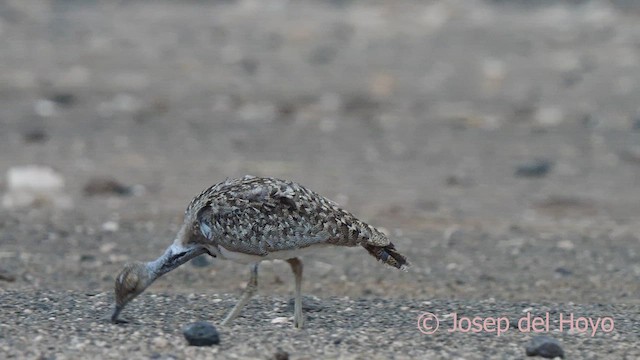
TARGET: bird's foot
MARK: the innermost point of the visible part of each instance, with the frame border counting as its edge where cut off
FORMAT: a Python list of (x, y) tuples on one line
[(119, 321)]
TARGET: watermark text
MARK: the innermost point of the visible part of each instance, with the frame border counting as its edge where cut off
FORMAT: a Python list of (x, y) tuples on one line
[(429, 323)]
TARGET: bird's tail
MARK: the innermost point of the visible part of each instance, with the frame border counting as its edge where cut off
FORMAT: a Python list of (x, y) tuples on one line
[(388, 255)]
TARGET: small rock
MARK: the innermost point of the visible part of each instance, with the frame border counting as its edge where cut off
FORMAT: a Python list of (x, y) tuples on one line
[(108, 247), (110, 226), (566, 245), (280, 320), (45, 108), (536, 168), (201, 333), (106, 186), (35, 185), (545, 347), (6, 276), (281, 355), (87, 258), (563, 271), (35, 136), (63, 99)]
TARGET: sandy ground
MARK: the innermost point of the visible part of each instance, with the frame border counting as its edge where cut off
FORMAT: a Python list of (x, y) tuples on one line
[(425, 118)]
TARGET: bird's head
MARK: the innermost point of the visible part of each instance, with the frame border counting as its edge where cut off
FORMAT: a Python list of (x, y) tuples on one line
[(132, 280)]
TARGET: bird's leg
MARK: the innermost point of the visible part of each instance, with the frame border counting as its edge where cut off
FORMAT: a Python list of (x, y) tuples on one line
[(296, 267), (248, 292)]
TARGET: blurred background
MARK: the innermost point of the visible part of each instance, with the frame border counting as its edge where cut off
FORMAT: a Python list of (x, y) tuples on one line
[(497, 142)]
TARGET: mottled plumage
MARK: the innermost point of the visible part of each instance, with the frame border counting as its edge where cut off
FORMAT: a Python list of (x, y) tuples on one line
[(258, 216), (251, 219)]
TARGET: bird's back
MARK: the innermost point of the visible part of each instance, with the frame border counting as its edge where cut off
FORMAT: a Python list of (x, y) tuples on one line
[(258, 216)]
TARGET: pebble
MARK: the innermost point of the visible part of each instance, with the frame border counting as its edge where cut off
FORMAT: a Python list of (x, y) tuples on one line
[(33, 185), (63, 99), (106, 186), (281, 355), (45, 108), (535, 168), (545, 347), (35, 136), (6, 276), (566, 245), (280, 320), (108, 247), (110, 226), (201, 333), (563, 271)]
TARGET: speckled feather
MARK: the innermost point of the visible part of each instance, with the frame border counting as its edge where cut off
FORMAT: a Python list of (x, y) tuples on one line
[(258, 216)]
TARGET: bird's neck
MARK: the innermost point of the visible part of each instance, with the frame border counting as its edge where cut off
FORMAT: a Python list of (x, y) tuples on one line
[(174, 256)]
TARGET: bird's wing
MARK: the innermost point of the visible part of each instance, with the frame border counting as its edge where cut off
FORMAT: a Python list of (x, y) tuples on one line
[(264, 218)]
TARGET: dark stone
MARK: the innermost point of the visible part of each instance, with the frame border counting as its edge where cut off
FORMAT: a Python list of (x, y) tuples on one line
[(6, 276), (63, 99), (564, 271), (35, 136), (201, 333), (545, 347), (536, 168), (250, 66), (105, 186), (87, 258), (281, 355)]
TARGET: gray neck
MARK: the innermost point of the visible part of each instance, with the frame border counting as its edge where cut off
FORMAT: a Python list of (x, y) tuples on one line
[(173, 257)]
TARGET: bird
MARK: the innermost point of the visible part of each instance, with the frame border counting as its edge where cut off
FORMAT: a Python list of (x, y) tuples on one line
[(251, 219)]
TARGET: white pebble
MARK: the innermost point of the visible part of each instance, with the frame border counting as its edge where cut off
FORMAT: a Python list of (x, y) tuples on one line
[(280, 320), (31, 185), (110, 226), (45, 108)]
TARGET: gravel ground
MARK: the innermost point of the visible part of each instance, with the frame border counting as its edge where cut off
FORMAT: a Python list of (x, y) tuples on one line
[(71, 325), (496, 142)]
